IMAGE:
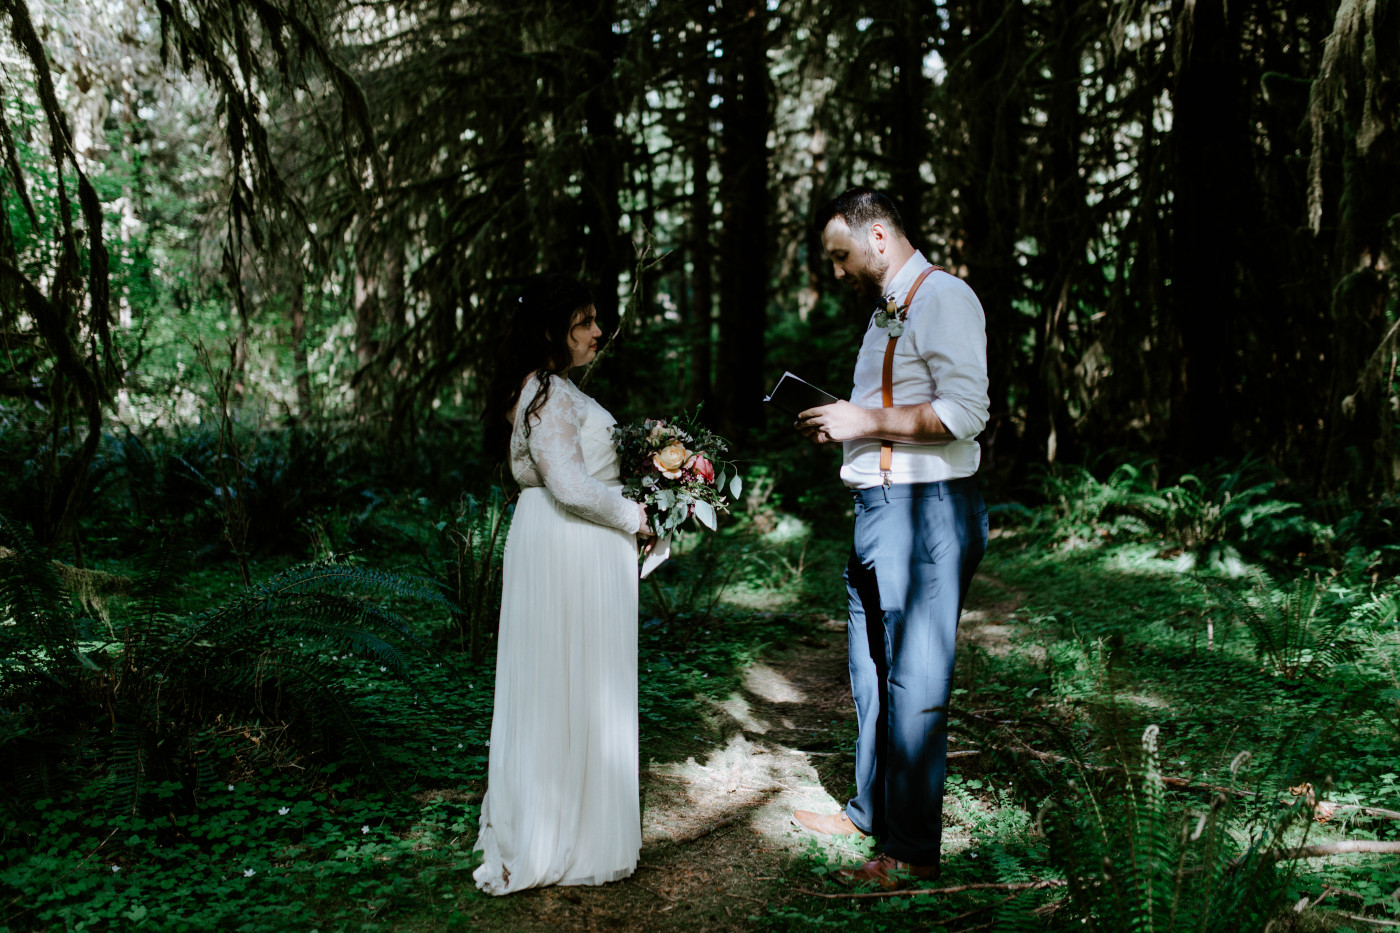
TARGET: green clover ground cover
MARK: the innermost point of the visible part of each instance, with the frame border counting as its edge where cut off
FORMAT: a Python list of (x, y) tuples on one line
[(314, 845), (1103, 641)]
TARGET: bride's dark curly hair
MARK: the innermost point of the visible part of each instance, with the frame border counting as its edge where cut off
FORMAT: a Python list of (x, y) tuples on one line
[(536, 340)]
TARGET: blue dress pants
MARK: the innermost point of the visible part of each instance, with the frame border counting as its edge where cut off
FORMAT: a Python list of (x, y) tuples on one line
[(916, 548)]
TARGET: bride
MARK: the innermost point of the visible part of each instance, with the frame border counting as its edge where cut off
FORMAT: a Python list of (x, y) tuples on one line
[(561, 802)]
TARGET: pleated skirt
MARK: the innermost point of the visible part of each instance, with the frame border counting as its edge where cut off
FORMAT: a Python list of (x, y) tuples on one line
[(562, 803)]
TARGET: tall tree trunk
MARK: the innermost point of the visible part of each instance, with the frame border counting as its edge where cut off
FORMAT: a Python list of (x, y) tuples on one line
[(743, 160), (367, 317), (1061, 248), (296, 309), (991, 85), (603, 160), (701, 212), (1212, 176), (909, 137)]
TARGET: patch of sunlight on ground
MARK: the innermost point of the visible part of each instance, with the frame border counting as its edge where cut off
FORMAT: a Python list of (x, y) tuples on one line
[(750, 783), (751, 786), (738, 709), (756, 598), (1143, 559), (788, 528), (1144, 700), (1159, 560), (764, 682), (761, 680)]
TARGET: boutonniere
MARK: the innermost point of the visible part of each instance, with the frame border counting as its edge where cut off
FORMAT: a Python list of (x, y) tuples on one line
[(892, 317)]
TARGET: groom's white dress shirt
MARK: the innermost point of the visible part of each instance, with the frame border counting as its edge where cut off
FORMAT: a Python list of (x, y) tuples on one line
[(940, 359)]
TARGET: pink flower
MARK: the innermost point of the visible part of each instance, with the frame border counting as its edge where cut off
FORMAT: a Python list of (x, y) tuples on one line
[(703, 468)]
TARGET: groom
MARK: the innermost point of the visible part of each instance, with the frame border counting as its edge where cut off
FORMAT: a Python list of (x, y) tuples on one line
[(909, 456)]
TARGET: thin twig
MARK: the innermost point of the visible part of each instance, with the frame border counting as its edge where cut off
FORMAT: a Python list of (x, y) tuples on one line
[(1179, 783), (977, 910), (1328, 807), (1018, 886), (1379, 923)]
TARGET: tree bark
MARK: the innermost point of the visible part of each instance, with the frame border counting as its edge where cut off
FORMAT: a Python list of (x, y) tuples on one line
[(1212, 177), (702, 283), (603, 164), (743, 160), (989, 85), (1061, 208), (909, 138), (300, 359)]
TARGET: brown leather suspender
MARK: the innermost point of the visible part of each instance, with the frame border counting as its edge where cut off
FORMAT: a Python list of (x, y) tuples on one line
[(887, 376)]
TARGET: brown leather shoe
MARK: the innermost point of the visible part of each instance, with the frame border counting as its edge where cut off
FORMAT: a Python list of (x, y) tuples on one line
[(829, 824), (889, 873)]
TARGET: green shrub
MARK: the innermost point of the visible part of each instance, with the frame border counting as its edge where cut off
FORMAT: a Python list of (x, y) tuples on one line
[(1079, 508), (1297, 633), (1223, 515), (471, 552), (160, 698), (1133, 861)]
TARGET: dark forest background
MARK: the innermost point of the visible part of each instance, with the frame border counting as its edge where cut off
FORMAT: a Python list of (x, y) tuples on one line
[(254, 258), (1180, 217)]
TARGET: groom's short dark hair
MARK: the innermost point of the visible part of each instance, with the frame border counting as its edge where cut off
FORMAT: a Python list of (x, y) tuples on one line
[(860, 207)]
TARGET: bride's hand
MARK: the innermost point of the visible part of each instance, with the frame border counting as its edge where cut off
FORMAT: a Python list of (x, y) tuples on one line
[(643, 528)]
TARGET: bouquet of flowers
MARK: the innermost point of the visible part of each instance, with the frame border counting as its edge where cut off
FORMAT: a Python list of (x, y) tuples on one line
[(673, 468)]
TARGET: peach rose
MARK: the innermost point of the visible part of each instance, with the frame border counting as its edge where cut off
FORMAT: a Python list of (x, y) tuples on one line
[(670, 460)]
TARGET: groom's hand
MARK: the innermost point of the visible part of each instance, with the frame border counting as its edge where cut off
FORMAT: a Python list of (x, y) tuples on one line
[(839, 421)]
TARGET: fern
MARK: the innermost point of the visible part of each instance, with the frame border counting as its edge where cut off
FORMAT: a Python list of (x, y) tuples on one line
[(1295, 634), (168, 690), (1134, 862), (471, 553), (1081, 508), (1216, 513), (34, 605)]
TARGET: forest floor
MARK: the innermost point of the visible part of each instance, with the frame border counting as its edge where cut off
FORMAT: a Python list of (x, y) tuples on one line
[(719, 848)]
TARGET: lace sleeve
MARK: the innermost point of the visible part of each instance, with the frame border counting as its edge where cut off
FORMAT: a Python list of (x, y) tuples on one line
[(558, 453)]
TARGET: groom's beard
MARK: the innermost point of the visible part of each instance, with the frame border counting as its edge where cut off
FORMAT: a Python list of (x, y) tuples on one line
[(869, 286)]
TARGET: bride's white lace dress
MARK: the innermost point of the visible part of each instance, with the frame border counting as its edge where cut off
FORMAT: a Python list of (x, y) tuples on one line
[(562, 802)]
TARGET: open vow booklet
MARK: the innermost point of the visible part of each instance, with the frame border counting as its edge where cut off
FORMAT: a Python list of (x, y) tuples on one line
[(793, 395)]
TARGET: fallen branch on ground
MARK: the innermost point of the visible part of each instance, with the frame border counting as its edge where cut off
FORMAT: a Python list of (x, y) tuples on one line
[(1324, 849), (1327, 808), (1274, 855), (1181, 783), (1017, 886), (1361, 919)]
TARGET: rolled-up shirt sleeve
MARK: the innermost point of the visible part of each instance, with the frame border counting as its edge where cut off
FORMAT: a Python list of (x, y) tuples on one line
[(951, 337)]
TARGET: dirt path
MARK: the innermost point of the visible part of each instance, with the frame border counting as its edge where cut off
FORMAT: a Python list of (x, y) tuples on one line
[(718, 845)]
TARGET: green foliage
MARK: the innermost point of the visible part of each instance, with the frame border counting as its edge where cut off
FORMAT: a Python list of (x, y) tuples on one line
[(264, 852), (267, 678), (1220, 513), (1079, 508), (1296, 632), (472, 545), (1135, 862)]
